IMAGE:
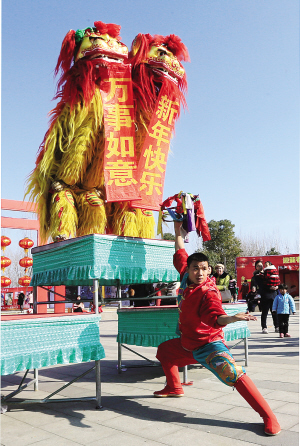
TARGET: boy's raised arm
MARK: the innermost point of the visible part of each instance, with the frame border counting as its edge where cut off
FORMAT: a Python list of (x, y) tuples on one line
[(179, 243)]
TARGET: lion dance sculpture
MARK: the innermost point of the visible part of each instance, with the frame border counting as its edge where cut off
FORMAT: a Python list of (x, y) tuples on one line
[(90, 168)]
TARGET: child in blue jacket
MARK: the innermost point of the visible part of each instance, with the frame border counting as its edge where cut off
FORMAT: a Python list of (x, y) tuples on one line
[(283, 305)]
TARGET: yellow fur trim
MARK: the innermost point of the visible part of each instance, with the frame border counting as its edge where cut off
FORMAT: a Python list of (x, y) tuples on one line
[(91, 214), (124, 220), (145, 223), (129, 227), (75, 141), (78, 149), (63, 215)]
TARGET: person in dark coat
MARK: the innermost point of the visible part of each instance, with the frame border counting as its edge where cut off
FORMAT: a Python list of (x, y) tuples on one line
[(245, 289), (252, 299), (21, 298), (268, 294), (258, 276)]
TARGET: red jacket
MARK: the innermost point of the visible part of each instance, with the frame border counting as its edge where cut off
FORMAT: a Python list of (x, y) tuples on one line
[(271, 276), (198, 310)]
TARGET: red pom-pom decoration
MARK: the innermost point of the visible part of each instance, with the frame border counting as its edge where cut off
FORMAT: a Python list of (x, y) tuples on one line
[(108, 28)]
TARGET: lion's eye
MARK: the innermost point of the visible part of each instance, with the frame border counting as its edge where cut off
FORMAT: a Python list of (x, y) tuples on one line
[(162, 53), (92, 38)]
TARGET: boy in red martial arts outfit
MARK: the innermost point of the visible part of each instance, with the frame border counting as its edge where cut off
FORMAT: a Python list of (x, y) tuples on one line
[(201, 318)]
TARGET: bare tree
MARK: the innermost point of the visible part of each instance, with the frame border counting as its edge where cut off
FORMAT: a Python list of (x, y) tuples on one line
[(262, 244)]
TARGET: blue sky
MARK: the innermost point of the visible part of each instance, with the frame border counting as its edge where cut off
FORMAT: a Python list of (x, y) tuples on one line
[(236, 146)]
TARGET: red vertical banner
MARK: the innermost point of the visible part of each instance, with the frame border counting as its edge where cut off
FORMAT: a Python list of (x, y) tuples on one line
[(154, 154), (120, 165)]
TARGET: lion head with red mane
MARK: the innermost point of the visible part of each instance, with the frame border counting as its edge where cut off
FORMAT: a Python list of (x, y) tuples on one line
[(156, 60), (82, 62)]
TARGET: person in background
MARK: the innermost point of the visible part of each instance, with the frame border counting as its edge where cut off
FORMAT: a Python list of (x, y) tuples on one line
[(258, 276), (92, 308), (245, 289), (171, 290), (78, 306), (140, 290), (268, 293), (232, 289), (21, 298), (222, 278), (222, 282), (30, 299), (271, 275), (283, 305), (252, 299), (211, 274), (158, 293)]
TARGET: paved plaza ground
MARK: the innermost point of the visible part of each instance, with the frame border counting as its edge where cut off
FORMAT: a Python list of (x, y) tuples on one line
[(209, 414)]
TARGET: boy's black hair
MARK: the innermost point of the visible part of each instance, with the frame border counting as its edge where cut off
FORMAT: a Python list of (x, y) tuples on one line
[(257, 262), (197, 257), (283, 286)]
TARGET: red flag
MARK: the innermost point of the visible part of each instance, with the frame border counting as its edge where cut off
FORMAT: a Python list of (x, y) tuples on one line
[(120, 165), (154, 154)]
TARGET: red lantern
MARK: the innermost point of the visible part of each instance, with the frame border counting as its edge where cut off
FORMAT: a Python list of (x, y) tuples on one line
[(5, 262), (26, 244), (25, 281), (5, 282), (26, 262), (5, 241)]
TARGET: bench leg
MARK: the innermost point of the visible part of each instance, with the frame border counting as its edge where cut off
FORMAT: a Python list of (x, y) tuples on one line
[(185, 378), (119, 357), (98, 385), (246, 351), (36, 378)]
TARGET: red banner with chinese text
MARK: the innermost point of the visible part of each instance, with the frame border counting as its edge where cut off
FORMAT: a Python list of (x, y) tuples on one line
[(120, 164), (154, 154)]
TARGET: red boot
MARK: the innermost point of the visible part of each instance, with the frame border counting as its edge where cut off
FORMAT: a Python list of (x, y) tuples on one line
[(173, 387), (167, 391), (246, 387)]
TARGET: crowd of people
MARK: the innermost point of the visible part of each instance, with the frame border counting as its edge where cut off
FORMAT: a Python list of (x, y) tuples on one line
[(265, 291), (269, 294)]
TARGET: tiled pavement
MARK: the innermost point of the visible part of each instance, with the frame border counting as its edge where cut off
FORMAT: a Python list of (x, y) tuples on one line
[(209, 414)]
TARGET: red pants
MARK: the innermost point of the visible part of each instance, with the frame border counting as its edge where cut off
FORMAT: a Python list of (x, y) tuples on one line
[(172, 353), (214, 356)]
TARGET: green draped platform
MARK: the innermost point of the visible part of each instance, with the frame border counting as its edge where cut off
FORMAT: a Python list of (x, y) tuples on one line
[(149, 327), (110, 259), (36, 342)]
